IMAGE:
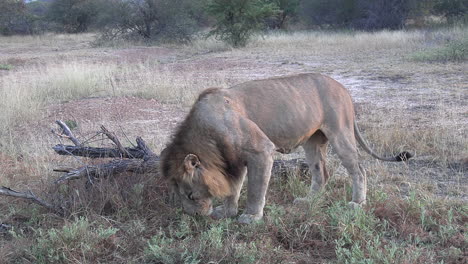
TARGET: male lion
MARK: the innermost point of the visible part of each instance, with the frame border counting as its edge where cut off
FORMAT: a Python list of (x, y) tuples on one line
[(230, 133)]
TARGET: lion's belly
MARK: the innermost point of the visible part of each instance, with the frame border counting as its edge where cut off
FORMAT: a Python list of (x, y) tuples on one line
[(291, 132)]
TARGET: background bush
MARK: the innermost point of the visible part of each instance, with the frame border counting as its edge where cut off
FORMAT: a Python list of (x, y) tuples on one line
[(230, 21), (174, 20), (237, 20), (74, 16)]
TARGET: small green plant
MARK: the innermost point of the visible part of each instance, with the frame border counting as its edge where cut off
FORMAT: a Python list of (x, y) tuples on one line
[(361, 238), (214, 236), (6, 67), (74, 241), (246, 253), (237, 20), (275, 213), (160, 250), (71, 124), (295, 185)]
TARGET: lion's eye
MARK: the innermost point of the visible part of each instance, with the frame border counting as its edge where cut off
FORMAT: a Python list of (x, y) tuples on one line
[(190, 196)]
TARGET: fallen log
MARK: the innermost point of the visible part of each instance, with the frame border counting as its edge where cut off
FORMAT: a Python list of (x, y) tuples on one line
[(94, 152), (110, 168)]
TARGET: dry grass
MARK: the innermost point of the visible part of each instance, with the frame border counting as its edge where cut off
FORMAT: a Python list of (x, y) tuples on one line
[(416, 213), (341, 41)]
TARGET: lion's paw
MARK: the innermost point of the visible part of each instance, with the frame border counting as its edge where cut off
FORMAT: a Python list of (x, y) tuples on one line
[(220, 212), (249, 218), (301, 201), (354, 205)]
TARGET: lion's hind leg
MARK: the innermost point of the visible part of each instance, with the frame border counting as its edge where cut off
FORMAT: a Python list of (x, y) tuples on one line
[(316, 150), (344, 144)]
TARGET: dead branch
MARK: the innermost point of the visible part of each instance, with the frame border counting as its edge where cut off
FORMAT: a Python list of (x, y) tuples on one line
[(66, 133), (116, 141), (29, 195), (139, 159), (141, 145), (111, 168), (92, 152)]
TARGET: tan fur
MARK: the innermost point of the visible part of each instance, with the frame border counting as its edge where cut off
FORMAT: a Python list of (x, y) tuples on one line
[(218, 184), (233, 131)]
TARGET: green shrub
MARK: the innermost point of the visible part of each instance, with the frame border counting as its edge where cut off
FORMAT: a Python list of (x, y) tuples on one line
[(6, 67), (161, 20), (455, 51), (237, 20)]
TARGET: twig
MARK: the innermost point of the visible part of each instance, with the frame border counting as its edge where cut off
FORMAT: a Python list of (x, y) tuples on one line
[(141, 144), (67, 131), (116, 141), (29, 195)]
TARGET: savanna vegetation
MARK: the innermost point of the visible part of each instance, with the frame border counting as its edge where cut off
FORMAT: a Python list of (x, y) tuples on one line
[(137, 70), (232, 21)]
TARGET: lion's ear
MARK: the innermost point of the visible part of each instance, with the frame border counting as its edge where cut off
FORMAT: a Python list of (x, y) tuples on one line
[(191, 162)]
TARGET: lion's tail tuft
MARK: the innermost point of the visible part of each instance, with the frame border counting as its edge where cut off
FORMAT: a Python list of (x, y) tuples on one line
[(404, 156)]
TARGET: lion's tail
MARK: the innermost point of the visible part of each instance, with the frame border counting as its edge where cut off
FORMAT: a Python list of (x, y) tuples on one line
[(403, 156)]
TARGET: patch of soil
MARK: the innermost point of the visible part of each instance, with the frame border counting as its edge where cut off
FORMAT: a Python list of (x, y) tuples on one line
[(128, 117), (145, 54)]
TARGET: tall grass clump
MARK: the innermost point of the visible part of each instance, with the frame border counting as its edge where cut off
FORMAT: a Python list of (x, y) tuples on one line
[(350, 41), (454, 51), (204, 44), (23, 96), (444, 45)]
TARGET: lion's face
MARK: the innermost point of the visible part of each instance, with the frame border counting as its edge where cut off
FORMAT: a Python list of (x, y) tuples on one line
[(195, 197), (188, 185)]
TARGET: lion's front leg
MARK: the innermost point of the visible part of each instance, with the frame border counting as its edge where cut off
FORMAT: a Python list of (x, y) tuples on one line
[(229, 208), (259, 172)]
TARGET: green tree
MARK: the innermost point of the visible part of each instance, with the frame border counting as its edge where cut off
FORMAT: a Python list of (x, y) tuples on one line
[(173, 20), (360, 14), (451, 9), (74, 16), (288, 9), (37, 16), (329, 13), (12, 17), (19, 17), (237, 20), (383, 14)]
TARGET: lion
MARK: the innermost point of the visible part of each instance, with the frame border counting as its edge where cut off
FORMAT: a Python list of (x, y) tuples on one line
[(230, 134)]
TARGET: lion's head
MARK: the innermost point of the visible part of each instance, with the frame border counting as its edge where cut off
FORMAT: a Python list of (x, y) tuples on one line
[(198, 165), (194, 183)]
